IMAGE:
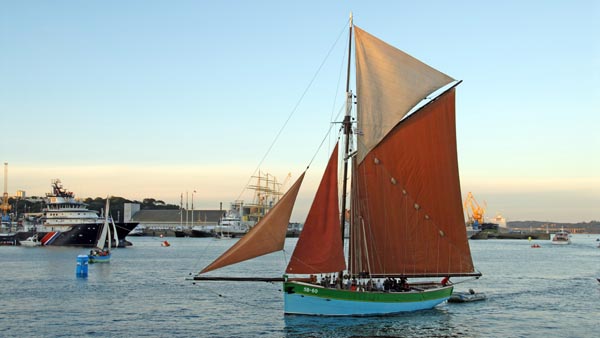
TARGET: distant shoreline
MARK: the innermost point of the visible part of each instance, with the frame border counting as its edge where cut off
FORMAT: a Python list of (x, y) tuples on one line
[(592, 227)]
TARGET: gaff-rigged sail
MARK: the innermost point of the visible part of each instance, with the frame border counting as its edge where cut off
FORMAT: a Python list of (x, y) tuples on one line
[(265, 237), (320, 248), (406, 203)]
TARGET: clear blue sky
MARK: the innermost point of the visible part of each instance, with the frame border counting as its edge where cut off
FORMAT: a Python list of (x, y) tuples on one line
[(153, 98)]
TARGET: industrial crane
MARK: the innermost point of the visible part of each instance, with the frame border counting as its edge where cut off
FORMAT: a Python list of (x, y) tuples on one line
[(477, 212)]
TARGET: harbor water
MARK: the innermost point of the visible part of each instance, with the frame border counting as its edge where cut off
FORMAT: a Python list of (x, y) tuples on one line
[(145, 291)]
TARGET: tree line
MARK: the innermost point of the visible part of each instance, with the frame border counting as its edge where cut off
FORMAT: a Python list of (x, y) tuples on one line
[(21, 206)]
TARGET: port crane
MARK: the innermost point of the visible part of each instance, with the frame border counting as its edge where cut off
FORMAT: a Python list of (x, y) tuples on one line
[(477, 211)]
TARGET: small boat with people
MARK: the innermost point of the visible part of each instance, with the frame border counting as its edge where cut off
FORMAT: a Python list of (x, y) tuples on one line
[(464, 297), (102, 252)]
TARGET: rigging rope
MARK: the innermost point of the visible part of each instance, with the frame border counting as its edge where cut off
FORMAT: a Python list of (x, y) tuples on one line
[(237, 299), (202, 254), (325, 138), (293, 111)]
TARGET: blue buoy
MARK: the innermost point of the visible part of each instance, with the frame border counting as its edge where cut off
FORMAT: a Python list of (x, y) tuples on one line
[(82, 266)]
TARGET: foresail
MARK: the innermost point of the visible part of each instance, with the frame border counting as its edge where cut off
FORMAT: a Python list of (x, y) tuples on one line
[(320, 248), (265, 237), (389, 83), (104, 234), (408, 217), (115, 234)]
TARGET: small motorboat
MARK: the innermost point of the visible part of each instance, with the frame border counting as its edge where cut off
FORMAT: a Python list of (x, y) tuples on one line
[(562, 237), (31, 242), (165, 243), (536, 246), (464, 297)]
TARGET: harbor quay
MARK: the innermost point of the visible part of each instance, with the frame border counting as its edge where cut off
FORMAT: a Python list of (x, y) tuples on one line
[(174, 223)]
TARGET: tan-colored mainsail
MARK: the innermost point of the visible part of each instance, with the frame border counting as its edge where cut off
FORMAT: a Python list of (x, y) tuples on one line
[(389, 83), (265, 237), (320, 248)]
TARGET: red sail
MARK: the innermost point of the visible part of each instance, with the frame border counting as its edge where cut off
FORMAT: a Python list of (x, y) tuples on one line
[(407, 206), (265, 237), (320, 248)]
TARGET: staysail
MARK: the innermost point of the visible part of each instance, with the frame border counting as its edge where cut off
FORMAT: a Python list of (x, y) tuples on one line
[(320, 248), (265, 237), (389, 83)]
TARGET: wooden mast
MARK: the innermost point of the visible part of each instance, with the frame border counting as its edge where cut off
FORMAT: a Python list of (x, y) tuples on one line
[(347, 131)]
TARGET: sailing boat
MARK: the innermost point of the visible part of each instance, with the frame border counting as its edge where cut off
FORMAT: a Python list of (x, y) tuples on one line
[(405, 215), (101, 253)]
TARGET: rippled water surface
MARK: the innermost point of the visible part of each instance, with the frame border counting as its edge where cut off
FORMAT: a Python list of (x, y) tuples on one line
[(143, 292)]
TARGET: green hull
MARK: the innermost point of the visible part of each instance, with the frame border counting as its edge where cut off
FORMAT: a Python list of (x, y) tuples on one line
[(305, 298)]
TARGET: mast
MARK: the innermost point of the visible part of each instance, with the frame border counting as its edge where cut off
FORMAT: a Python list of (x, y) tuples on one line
[(5, 207), (347, 131), (192, 222), (181, 211)]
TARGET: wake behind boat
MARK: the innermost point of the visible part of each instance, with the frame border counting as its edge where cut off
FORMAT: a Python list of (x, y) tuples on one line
[(66, 221), (406, 217)]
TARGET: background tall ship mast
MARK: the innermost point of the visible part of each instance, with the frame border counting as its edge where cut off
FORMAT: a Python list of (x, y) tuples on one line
[(406, 216), (266, 193)]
